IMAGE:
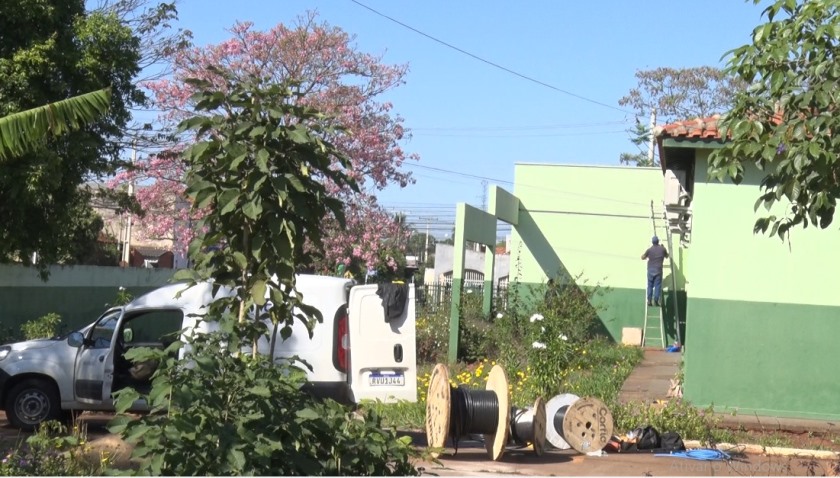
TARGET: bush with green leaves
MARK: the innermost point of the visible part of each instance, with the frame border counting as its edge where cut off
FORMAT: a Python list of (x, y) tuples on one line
[(52, 451), (43, 327), (432, 329), (123, 296), (560, 325), (259, 170), (253, 414)]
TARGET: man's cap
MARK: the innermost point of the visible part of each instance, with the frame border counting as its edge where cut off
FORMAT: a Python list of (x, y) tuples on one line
[(655, 240)]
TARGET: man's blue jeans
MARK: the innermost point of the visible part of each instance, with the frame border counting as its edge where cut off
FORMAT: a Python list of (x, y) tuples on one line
[(654, 285)]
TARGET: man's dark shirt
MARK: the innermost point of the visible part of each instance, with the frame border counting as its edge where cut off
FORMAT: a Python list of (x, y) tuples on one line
[(655, 255)]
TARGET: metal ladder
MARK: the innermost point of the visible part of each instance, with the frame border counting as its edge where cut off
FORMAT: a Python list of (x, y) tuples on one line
[(652, 332)]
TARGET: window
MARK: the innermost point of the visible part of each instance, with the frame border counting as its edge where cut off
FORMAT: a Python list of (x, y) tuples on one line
[(103, 331), (154, 327)]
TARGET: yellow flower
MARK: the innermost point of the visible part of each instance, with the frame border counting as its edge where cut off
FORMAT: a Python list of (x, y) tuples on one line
[(478, 373)]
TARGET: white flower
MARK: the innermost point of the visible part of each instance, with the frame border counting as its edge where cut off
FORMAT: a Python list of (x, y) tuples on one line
[(122, 288), (499, 315), (536, 317), (563, 337), (538, 345), (542, 329)]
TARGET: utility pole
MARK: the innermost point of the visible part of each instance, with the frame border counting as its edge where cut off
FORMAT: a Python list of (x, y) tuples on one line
[(126, 252), (426, 247), (652, 137)]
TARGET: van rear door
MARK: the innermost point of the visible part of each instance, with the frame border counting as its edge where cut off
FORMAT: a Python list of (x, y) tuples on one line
[(383, 354)]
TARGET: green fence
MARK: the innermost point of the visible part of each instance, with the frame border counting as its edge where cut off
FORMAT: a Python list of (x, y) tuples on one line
[(78, 293)]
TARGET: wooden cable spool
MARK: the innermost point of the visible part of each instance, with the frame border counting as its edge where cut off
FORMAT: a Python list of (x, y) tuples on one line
[(445, 411), (585, 424), (528, 426)]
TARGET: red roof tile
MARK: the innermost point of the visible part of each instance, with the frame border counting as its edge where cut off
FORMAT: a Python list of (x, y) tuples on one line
[(698, 128)]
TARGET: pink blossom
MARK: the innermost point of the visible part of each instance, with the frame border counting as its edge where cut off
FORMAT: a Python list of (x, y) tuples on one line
[(336, 78)]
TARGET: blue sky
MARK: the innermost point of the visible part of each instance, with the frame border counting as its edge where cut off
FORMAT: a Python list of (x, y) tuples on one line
[(472, 118)]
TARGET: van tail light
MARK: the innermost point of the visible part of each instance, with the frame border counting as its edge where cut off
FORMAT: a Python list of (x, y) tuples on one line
[(341, 357)]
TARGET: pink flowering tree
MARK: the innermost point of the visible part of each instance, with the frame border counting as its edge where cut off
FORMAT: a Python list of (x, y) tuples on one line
[(334, 78)]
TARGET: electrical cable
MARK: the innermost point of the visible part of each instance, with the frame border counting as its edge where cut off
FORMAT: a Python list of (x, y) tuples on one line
[(701, 454), (472, 412), (496, 65), (516, 128)]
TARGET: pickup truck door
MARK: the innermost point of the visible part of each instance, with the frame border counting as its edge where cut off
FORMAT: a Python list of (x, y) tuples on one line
[(94, 372), (383, 357)]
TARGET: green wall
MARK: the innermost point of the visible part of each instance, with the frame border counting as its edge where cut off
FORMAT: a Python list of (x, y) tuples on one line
[(763, 316), (79, 294), (763, 358), (590, 222)]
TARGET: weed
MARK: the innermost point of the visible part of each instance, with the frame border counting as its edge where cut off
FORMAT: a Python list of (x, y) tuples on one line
[(43, 327), (674, 416), (52, 451)]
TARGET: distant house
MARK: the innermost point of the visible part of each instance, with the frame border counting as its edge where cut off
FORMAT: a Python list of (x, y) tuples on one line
[(474, 265), (144, 252), (151, 258)]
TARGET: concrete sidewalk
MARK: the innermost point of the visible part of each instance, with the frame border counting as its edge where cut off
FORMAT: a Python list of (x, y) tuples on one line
[(651, 379)]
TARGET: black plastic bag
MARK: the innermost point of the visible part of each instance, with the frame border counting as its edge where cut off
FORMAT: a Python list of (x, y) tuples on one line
[(646, 438), (671, 441)]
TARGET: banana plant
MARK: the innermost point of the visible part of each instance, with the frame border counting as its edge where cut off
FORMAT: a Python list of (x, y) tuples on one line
[(27, 130)]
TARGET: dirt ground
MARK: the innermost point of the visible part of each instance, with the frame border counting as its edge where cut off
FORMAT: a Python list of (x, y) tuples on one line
[(790, 439), (471, 458)]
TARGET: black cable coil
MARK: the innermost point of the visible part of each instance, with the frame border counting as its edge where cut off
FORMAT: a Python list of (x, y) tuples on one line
[(473, 411)]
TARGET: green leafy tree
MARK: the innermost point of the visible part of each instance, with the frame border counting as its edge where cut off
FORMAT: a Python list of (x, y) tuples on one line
[(786, 123), (676, 94), (640, 137), (261, 183), (53, 50)]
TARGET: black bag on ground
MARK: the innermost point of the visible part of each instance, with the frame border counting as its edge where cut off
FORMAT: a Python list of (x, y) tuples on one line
[(647, 439), (671, 441)]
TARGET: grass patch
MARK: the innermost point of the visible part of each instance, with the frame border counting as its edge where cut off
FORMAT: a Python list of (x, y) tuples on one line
[(600, 369)]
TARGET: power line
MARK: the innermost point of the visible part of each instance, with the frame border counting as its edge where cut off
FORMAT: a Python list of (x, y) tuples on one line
[(496, 65), (519, 128), (497, 135), (549, 189)]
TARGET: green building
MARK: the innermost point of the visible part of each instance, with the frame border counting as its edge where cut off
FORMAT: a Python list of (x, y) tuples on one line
[(758, 317)]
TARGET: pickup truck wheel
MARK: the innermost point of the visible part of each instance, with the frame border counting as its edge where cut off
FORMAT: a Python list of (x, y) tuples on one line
[(32, 402)]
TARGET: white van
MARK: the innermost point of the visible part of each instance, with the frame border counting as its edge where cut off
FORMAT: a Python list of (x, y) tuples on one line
[(356, 353)]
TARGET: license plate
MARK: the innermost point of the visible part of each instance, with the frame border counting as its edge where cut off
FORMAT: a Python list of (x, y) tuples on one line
[(386, 379)]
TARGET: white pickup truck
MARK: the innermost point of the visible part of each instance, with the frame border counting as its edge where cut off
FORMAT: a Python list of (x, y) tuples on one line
[(358, 351)]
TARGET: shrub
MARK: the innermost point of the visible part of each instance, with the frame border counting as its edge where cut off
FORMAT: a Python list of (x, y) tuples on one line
[(254, 416), (563, 321), (43, 327), (473, 328), (51, 451), (432, 336), (123, 296)]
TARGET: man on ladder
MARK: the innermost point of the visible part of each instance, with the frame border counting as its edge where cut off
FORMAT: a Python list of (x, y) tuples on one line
[(655, 255)]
